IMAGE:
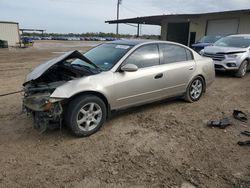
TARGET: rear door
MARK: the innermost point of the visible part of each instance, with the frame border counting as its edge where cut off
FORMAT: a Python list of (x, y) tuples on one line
[(178, 66)]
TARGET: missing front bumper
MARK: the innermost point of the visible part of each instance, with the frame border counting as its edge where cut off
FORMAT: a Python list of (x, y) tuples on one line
[(46, 115)]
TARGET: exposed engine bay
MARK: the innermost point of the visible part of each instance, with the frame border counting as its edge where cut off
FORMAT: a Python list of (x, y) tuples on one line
[(43, 81)]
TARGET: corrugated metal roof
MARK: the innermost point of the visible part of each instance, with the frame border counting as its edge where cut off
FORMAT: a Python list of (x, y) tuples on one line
[(156, 20), (8, 22)]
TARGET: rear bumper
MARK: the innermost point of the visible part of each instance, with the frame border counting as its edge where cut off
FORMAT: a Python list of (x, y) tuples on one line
[(210, 79)]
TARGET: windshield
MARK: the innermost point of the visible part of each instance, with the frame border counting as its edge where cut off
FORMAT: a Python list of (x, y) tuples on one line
[(105, 56), (234, 41), (80, 63), (210, 39)]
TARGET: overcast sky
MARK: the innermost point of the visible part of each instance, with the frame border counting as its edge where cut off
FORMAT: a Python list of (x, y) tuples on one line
[(78, 16)]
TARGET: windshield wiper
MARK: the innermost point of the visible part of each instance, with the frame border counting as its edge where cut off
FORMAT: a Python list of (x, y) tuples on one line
[(91, 63), (86, 68)]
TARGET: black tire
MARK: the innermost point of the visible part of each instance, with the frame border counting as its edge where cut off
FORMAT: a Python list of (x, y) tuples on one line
[(72, 114), (188, 95), (242, 70)]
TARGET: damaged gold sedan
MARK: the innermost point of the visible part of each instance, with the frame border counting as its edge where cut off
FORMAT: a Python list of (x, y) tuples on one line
[(81, 90)]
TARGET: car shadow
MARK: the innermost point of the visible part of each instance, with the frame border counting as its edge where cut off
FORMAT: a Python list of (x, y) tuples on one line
[(64, 131), (143, 108), (225, 74)]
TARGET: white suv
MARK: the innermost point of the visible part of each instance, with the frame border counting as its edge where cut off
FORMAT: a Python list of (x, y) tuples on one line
[(231, 53)]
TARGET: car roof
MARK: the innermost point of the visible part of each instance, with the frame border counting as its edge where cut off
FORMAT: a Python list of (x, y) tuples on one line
[(240, 35), (215, 35), (138, 42), (131, 42)]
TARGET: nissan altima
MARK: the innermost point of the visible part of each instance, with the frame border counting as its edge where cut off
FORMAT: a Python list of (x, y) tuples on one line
[(81, 90)]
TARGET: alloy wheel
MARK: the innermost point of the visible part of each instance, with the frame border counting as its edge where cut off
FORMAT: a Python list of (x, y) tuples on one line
[(89, 116), (196, 89), (244, 69)]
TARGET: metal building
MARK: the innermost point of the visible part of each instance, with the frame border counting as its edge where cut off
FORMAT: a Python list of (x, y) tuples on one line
[(188, 28), (9, 31)]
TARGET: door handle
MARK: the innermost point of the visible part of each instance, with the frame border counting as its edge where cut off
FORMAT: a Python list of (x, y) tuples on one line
[(191, 68), (158, 76)]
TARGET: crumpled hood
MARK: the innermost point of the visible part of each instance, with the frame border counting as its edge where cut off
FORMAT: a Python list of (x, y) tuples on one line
[(41, 69), (219, 49)]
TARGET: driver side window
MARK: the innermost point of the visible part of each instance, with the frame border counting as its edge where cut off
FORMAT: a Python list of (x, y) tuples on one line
[(145, 56)]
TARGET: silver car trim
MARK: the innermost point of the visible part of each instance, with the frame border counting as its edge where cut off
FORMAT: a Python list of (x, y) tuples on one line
[(150, 92)]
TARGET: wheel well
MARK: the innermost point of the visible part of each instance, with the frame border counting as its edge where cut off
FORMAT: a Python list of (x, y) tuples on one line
[(100, 95), (248, 61), (204, 82)]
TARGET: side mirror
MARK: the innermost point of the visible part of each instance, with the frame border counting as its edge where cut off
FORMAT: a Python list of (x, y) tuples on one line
[(129, 68)]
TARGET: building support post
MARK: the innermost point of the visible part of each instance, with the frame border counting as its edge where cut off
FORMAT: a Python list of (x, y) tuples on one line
[(138, 31), (117, 17)]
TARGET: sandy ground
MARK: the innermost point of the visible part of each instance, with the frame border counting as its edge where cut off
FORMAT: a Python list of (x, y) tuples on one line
[(166, 144)]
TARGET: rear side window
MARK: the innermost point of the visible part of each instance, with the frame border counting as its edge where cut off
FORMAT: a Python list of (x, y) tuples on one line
[(171, 53), (145, 56), (189, 55)]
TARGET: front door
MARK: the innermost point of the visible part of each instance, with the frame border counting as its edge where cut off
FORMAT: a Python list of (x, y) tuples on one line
[(132, 88)]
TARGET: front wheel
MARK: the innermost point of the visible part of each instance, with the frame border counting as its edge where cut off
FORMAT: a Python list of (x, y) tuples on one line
[(242, 70), (85, 115), (194, 90)]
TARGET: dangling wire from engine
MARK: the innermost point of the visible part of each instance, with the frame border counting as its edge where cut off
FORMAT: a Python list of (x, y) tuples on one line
[(11, 93)]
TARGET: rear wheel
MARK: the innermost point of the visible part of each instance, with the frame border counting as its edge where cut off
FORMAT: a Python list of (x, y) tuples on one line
[(242, 70), (85, 115), (194, 90)]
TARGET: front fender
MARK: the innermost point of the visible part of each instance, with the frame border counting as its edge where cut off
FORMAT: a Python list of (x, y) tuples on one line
[(74, 87)]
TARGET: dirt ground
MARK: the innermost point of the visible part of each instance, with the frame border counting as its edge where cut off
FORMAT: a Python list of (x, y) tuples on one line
[(165, 144)]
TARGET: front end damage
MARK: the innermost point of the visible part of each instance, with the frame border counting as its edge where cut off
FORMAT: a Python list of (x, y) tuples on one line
[(46, 112), (40, 84)]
